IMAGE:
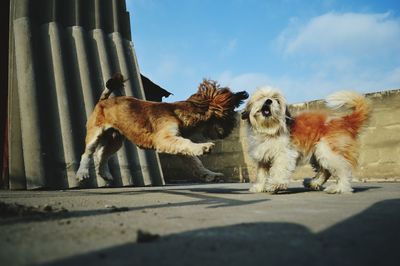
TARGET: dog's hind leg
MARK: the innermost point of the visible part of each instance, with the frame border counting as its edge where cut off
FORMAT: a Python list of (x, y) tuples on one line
[(200, 172), (344, 176), (318, 180), (338, 166), (322, 175), (92, 141), (111, 141)]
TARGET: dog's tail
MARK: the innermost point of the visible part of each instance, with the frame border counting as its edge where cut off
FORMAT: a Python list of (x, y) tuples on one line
[(114, 83), (358, 104)]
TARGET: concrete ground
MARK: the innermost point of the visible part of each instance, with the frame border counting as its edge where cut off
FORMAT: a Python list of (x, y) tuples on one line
[(202, 224)]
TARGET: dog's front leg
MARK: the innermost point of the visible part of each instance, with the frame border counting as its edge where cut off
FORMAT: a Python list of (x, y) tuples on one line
[(262, 175), (169, 141), (179, 145), (281, 170)]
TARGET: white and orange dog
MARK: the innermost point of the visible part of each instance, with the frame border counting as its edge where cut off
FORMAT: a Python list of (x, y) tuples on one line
[(165, 127), (326, 139)]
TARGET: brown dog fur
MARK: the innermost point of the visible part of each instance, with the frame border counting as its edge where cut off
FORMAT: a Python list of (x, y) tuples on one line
[(165, 127)]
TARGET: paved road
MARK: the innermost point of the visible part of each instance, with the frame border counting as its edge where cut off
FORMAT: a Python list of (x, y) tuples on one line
[(212, 224)]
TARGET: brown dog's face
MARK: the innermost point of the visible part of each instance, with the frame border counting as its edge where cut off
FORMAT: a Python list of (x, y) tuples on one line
[(218, 128), (218, 104), (221, 124)]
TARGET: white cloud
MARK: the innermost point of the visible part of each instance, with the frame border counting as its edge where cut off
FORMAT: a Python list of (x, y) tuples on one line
[(300, 89), (294, 89), (243, 81), (340, 51), (171, 66), (348, 33)]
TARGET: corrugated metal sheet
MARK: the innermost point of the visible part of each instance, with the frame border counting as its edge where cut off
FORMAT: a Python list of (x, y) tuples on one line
[(63, 52)]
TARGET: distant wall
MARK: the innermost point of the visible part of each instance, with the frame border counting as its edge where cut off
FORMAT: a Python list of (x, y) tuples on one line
[(379, 158)]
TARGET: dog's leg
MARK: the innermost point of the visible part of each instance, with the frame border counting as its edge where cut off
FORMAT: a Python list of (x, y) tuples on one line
[(179, 145), (110, 143), (168, 141), (262, 175), (282, 168), (344, 175), (199, 171), (338, 166), (92, 141), (318, 180), (101, 165)]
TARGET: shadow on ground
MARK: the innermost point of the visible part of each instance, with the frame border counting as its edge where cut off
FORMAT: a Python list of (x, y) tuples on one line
[(290, 190), (210, 201), (369, 238)]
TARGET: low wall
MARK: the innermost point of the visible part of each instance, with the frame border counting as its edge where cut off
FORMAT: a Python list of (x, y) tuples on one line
[(379, 158)]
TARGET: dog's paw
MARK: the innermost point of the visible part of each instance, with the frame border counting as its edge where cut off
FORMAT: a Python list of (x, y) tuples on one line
[(210, 176), (312, 184), (336, 189), (257, 188), (275, 187), (201, 148), (106, 176), (207, 147), (82, 175)]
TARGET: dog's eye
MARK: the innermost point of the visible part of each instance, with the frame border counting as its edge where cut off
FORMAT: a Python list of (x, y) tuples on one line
[(278, 101)]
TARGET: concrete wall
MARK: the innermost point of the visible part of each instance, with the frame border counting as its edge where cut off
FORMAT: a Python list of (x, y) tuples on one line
[(379, 147)]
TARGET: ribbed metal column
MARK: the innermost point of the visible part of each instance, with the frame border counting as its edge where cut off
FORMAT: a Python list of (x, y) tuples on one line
[(119, 165), (140, 169), (63, 53), (152, 157), (99, 40), (16, 166), (28, 94), (60, 86)]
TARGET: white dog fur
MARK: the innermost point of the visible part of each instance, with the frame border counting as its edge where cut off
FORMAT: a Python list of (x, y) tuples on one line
[(279, 142)]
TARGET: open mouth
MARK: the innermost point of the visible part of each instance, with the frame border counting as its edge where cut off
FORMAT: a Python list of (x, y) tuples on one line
[(266, 110)]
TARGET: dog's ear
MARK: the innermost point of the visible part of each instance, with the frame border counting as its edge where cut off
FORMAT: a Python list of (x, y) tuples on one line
[(288, 118), (240, 97)]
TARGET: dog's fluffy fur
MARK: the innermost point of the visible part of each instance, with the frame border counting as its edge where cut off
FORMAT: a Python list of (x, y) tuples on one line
[(326, 139), (165, 127)]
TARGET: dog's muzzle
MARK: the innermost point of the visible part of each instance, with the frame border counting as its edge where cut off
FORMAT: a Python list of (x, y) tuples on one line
[(266, 108)]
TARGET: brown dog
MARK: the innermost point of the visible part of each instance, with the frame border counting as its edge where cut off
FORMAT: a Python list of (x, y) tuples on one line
[(165, 127)]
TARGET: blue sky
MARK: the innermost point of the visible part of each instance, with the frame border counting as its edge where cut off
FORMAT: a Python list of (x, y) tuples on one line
[(307, 49)]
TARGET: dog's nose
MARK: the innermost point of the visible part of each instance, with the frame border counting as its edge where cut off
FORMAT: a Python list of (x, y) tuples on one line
[(268, 102)]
